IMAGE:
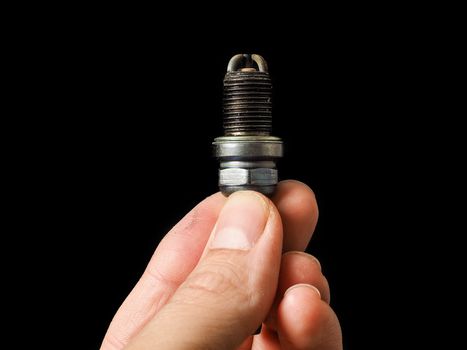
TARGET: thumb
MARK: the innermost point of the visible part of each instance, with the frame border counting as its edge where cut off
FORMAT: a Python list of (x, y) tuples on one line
[(230, 292)]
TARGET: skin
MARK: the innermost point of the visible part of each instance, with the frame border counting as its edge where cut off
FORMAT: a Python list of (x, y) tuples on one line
[(197, 294)]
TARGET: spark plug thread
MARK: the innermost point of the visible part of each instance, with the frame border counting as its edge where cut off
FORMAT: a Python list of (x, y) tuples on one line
[(247, 103)]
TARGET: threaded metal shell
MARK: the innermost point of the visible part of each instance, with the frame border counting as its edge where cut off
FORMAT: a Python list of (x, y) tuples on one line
[(247, 103)]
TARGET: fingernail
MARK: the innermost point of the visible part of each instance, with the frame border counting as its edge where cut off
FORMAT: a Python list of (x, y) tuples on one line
[(303, 285), (316, 261), (308, 256), (241, 221)]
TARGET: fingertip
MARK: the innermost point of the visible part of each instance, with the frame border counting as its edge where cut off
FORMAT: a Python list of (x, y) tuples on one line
[(305, 321), (286, 187), (300, 313), (297, 205), (300, 196)]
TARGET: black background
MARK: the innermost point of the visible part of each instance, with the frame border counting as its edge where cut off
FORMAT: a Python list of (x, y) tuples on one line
[(132, 154)]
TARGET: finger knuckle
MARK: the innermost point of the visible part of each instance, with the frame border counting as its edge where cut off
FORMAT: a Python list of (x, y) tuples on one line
[(219, 278)]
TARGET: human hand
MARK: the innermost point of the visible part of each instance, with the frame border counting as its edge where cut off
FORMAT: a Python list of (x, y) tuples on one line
[(226, 267)]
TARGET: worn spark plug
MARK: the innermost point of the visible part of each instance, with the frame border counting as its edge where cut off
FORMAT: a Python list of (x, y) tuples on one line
[(247, 152)]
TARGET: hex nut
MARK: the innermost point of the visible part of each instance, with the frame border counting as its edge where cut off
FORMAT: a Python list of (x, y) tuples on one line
[(253, 176)]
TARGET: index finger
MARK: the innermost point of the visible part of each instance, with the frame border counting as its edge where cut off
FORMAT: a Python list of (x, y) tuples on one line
[(175, 257)]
